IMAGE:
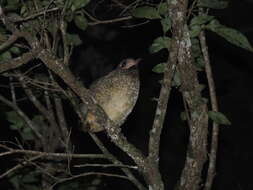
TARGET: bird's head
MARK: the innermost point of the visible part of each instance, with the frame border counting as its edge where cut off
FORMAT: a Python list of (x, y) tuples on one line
[(128, 63)]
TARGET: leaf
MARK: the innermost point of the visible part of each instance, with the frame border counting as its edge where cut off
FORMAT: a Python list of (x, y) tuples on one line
[(81, 22), (196, 50), (24, 11), (14, 118), (159, 68), (199, 63), (73, 39), (30, 187), (27, 134), (163, 8), (12, 4), (214, 4), (15, 181), (15, 50), (219, 118), (17, 123), (146, 12), (69, 17), (159, 43), (39, 120), (30, 178), (199, 20), (78, 4), (5, 56), (194, 31), (71, 185), (231, 35), (166, 24)]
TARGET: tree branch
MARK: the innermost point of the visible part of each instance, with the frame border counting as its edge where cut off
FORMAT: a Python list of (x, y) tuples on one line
[(19, 61), (198, 124), (47, 154), (214, 105)]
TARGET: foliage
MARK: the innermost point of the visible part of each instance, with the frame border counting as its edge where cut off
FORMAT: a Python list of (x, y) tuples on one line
[(219, 118)]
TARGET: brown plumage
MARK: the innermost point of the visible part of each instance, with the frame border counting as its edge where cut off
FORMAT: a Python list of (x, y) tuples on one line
[(116, 93)]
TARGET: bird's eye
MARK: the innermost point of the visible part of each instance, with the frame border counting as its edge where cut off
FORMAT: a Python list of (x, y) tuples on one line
[(122, 64)]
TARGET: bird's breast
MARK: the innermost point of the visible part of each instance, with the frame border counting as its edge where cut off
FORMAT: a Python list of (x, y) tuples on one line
[(118, 104)]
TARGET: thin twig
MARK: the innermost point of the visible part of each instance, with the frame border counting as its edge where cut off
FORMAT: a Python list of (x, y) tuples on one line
[(88, 174), (40, 13), (114, 160), (8, 42), (42, 109), (214, 105), (106, 166), (17, 62), (13, 93), (110, 21), (19, 166), (47, 154), (29, 122)]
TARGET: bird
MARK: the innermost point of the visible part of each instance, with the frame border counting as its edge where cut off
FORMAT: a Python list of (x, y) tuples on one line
[(117, 93)]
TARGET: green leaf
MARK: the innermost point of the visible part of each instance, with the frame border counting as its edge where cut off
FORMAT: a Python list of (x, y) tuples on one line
[(159, 43), (163, 8), (15, 127), (196, 50), (219, 118), (78, 4), (30, 178), (12, 4), (69, 17), (30, 186), (231, 35), (24, 11), (166, 24), (15, 181), (81, 22), (14, 118), (15, 50), (4, 56), (159, 68), (27, 134), (71, 185), (73, 39), (199, 62), (146, 12), (199, 20), (39, 120), (213, 4), (194, 31)]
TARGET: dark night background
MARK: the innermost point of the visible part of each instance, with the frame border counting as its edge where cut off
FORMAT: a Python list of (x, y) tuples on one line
[(104, 46)]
